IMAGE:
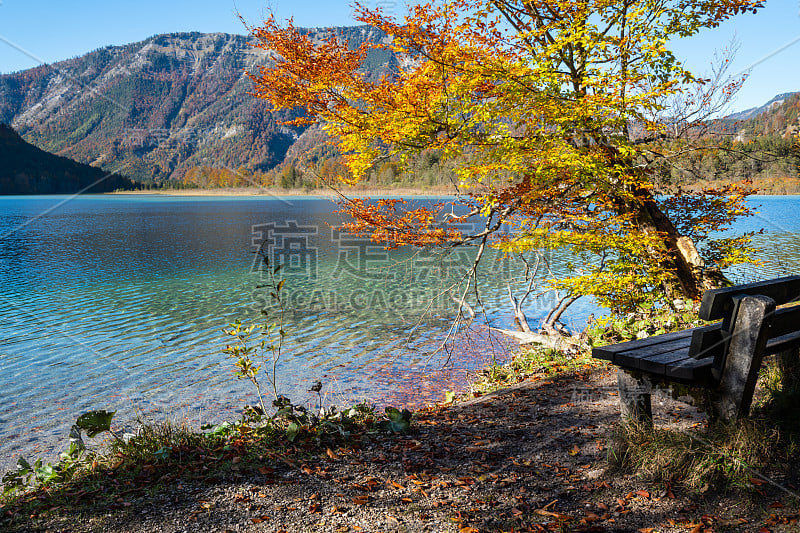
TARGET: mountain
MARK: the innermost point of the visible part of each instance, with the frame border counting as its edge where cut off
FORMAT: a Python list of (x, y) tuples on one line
[(25, 169), (176, 107), (781, 117), (155, 108), (755, 111), (778, 117)]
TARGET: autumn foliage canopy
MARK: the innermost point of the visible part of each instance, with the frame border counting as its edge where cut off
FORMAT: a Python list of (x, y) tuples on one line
[(559, 118)]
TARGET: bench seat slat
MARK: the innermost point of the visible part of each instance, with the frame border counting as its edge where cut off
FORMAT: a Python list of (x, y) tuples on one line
[(690, 370), (659, 364), (633, 359), (655, 349), (608, 353)]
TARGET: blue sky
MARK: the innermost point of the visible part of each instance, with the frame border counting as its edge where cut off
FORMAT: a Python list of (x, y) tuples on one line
[(36, 31)]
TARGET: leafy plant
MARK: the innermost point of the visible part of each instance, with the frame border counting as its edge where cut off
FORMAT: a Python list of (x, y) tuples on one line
[(325, 425), (397, 421), (647, 320), (259, 344), (43, 474), (531, 362), (249, 344)]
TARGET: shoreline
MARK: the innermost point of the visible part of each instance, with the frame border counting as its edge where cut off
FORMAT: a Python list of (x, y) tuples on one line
[(257, 191), (325, 193)]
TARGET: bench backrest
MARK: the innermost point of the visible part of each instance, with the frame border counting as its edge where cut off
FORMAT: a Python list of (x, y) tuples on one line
[(784, 329), (718, 303)]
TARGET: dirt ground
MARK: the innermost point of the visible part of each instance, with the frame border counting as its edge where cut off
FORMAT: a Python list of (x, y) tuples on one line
[(533, 457)]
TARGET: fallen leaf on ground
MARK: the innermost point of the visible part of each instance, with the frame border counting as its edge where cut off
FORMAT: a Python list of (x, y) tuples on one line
[(551, 514)]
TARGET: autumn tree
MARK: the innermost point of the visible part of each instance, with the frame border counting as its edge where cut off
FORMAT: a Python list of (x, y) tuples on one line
[(559, 118)]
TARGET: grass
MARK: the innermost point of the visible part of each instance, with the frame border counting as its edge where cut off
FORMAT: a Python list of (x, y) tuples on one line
[(724, 455), (162, 452), (531, 363)]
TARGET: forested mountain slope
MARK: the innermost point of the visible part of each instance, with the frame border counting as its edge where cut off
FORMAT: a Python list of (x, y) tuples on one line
[(154, 108), (25, 169)]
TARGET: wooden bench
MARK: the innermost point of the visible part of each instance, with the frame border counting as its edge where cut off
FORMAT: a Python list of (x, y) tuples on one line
[(716, 364)]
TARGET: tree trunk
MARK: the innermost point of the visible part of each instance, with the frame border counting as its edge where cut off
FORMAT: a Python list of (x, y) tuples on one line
[(692, 277), (678, 257)]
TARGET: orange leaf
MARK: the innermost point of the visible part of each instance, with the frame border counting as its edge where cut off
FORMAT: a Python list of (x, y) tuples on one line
[(757, 481), (551, 514)]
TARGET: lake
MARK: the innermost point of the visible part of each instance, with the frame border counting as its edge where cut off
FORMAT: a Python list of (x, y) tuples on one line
[(119, 302)]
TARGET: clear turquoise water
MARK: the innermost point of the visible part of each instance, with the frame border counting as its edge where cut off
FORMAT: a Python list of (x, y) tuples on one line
[(118, 302)]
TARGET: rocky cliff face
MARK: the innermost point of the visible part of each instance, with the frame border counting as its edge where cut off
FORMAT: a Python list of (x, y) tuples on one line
[(155, 108)]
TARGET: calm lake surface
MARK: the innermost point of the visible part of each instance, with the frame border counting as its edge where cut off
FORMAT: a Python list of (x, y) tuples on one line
[(118, 302)]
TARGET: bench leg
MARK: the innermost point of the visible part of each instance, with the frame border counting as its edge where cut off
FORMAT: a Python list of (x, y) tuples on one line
[(634, 397), (734, 393)]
